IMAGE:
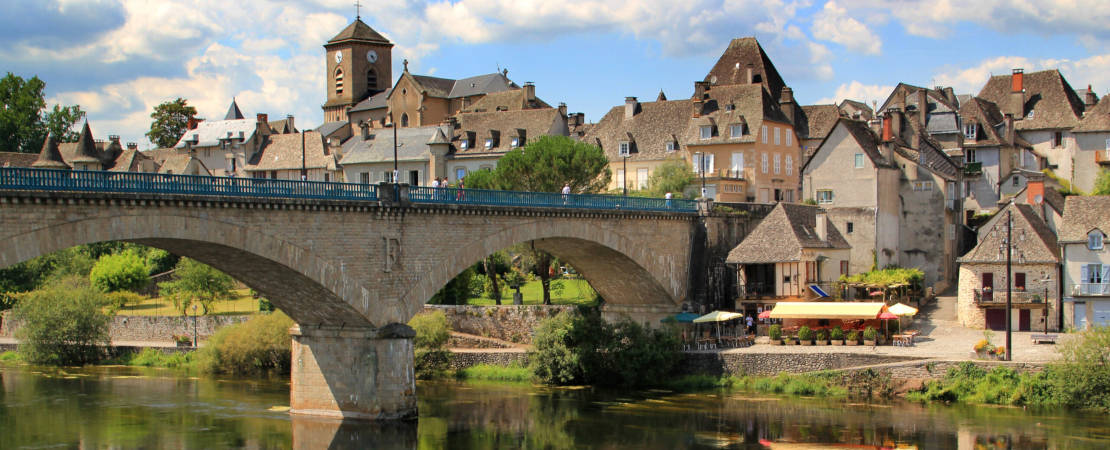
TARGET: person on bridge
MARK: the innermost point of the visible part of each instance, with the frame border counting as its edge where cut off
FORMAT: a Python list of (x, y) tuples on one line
[(461, 194), (669, 196), (566, 192)]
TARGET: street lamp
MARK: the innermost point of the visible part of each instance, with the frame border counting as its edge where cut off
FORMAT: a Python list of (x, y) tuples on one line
[(194, 325), (625, 153), (393, 125), (1009, 279), (701, 169)]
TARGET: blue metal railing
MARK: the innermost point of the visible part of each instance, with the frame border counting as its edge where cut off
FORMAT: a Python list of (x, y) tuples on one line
[(155, 183), (136, 182)]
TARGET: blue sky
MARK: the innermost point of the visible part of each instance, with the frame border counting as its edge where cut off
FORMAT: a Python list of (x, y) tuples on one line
[(120, 58)]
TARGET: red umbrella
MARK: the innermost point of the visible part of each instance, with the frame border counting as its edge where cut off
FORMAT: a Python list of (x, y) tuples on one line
[(766, 314), (887, 316)]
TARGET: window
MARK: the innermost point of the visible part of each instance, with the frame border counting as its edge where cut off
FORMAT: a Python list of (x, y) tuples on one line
[(1092, 274), (708, 162), (327, 177), (641, 179), (764, 163), (851, 227), (387, 176), (778, 136), (515, 142), (969, 155), (372, 79), (737, 166), (1057, 139), (970, 131), (464, 144), (824, 196), (364, 177), (1108, 144), (460, 173), (404, 119), (1029, 115), (414, 177), (778, 162), (624, 149), (1094, 240), (859, 161), (843, 267), (706, 132), (736, 130), (789, 138), (620, 178), (489, 143), (1017, 180), (789, 164), (671, 146), (922, 186), (1019, 281), (273, 174), (764, 133), (338, 81)]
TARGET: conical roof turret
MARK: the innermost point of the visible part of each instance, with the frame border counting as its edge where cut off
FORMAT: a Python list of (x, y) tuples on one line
[(50, 157), (233, 112), (86, 148)]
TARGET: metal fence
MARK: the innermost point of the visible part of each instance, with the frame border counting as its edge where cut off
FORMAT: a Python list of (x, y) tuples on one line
[(136, 182)]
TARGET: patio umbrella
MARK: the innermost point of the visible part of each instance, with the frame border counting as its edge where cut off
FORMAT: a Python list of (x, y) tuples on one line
[(718, 316), (766, 314), (887, 315), (900, 309), (685, 317)]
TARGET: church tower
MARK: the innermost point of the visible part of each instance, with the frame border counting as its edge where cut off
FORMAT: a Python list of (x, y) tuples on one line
[(359, 64)]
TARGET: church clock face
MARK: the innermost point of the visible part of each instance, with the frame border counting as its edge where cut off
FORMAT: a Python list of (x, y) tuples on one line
[(338, 57), (372, 56)]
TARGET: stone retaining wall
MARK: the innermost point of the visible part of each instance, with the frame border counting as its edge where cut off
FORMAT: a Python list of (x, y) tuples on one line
[(148, 328), (718, 364), (468, 359), (932, 369), (513, 323)]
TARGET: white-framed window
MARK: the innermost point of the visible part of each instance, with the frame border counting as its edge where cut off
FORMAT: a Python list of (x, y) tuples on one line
[(922, 186), (789, 164), (970, 131), (1094, 240), (460, 173), (641, 179), (706, 132), (737, 166), (824, 196), (364, 177), (625, 149), (464, 144), (489, 143), (620, 178), (387, 176), (709, 162), (969, 155), (764, 133), (859, 160), (671, 146), (763, 162), (515, 142), (736, 130), (1092, 274), (1108, 144), (778, 163), (778, 136), (789, 138)]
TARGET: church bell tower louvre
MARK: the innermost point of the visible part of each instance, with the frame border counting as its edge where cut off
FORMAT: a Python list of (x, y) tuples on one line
[(359, 65)]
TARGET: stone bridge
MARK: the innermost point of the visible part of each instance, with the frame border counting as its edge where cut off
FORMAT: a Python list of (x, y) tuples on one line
[(351, 273)]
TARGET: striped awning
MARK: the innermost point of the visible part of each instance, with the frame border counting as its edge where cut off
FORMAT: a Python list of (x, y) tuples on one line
[(828, 310)]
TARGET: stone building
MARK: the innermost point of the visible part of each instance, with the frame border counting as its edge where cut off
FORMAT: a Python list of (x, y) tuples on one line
[(1083, 237), (638, 137), (1092, 142), (996, 160), (90, 154), (225, 146), (1035, 263), (421, 155), (285, 156), (359, 65), (482, 137)]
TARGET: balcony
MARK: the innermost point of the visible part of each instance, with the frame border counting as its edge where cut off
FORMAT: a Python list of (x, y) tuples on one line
[(973, 169), (1091, 289), (1102, 157), (998, 297), (724, 174)]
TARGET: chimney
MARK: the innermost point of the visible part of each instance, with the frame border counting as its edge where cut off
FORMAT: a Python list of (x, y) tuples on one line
[(1034, 188), (822, 226), (562, 109), (193, 122), (1090, 99), (529, 92), (262, 126), (365, 130), (1008, 122), (886, 128), (749, 74), (876, 125), (453, 122), (786, 102), (113, 138), (263, 118), (132, 146), (950, 94), (700, 87), (630, 105), (922, 106), (577, 119), (289, 118), (1017, 94), (896, 116)]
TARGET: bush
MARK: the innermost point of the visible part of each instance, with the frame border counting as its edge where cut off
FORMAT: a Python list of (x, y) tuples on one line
[(488, 372), (196, 282), (822, 335), (775, 332), (257, 346), (836, 334), (870, 334), (853, 336), (805, 334), (124, 271), (63, 323), (431, 329), (120, 299)]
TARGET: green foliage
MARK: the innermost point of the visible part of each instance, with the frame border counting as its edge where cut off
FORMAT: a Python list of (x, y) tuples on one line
[(23, 126), (121, 299), (63, 323), (1066, 188), (487, 372), (853, 336), (120, 272), (1102, 183), (150, 357), (887, 277), (673, 176), (11, 357), (1084, 369), (836, 334), (810, 385), (699, 382), (431, 329), (870, 334), (822, 335), (494, 267), (170, 120), (809, 201), (805, 334), (775, 332), (545, 164), (581, 348), (195, 282), (257, 346), (160, 261), (464, 286)]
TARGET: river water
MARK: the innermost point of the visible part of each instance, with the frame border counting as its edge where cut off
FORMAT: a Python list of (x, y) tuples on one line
[(123, 407)]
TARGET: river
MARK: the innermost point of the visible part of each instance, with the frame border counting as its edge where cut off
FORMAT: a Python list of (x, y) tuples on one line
[(124, 407)]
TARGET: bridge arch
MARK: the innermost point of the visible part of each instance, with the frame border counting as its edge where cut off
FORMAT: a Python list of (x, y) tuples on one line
[(305, 286)]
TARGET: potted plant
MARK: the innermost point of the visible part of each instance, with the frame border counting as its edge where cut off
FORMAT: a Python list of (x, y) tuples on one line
[(805, 335), (852, 338), (870, 336), (183, 340), (775, 333), (837, 336), (1000, 352), (822, 337)]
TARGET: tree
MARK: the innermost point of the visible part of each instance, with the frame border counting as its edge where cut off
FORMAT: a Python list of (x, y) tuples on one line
[(171, 120), (672, 176), (1102, 183), (63, 324), (493, 267), (124, 271), (23, 126), (196, 282), (461, 288)]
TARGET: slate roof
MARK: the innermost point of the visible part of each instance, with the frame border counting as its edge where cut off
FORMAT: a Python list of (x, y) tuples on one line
[(233, 112), (51, 156), (991, 128), (1083, 214), (751, 104), (507, 124), (817, 121), (866, 113), (376, 101), (864, 137), (412, 145), (1096, 119), (328, 128), (732, 67), (283, 152), (209, 132), (359, 31), (1033, 241), (935, 159), (782, 235), (282, 126), (159, 155), (510, 100), (1047, 93), (85, 150), (481, 84), (655, 124), (179, 163), (15, 159), (128, 161)]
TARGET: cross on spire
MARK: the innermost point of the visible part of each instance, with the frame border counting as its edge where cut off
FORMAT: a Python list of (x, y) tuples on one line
[(358, 6)]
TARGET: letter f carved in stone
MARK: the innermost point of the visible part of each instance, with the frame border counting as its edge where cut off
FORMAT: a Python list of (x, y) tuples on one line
[(392, 253)]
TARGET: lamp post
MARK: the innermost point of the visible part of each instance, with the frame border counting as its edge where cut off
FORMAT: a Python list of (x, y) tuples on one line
[(624, 182), (701, 169), (304, 171), (393, 125), (1009, 279), (194, 325)]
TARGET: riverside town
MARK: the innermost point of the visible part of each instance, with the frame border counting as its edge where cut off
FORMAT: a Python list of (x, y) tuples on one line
[(782, 225)]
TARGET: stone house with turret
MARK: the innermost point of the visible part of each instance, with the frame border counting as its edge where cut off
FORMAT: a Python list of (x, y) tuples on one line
[(90, 154)]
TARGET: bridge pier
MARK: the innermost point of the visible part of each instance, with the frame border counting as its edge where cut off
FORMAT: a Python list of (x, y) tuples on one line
[(353, 373)]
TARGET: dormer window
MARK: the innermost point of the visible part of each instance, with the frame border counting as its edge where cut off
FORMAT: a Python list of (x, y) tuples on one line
[(970, 131), (489, 143), (672, 146), (625, 149), (730, 107), (706, 132), (1030, 114), (737, 130), (464, 144), (515, 142), (1094, 240)]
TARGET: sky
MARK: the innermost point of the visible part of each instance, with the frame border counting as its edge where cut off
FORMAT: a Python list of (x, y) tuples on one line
[(118, 59)]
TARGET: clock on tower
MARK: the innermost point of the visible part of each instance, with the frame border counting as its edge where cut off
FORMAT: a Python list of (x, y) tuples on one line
[(359, 65)]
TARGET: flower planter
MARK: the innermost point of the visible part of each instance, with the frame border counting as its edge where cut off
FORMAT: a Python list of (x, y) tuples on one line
[(836, 342), (806, 342), (869, 343), (822, 342), (184, 344), (851, 343), (776, 341)]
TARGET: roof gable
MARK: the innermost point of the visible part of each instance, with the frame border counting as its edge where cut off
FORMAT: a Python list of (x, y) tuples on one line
[(782, 235), (1033, 241), (1095, 119), (654, 125), (1082, 214), (1052, 100), (732, 66), (361, 32)]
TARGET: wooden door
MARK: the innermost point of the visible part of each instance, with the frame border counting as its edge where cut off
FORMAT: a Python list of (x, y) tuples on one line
[(996, 319), (1023, 320)]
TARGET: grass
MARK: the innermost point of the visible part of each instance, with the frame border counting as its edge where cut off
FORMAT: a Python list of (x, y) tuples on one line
[(574, 292), (241, 303), (149, 357), (806, 385), (10, 357), (486, 372)]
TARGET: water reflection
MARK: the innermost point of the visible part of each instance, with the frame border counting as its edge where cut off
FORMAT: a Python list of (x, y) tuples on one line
[(129, 408)]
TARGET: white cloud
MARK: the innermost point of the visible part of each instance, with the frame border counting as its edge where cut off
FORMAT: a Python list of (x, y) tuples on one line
[(859, 92), (833, 24), (1093, 70)]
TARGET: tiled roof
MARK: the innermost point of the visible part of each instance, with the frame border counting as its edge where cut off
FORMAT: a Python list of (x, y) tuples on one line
[(749, 103), (86, 150), (359, 31), (161, 154), (283, 152), (233, 112), (866, 113), (861, 133), (282, 126), (654, 124), (732, 67), (506, 124), (1095, 119), (1033, 241), (1047, 93), (481, 84), (51, 156), (935, 158), (179, 164), (817, 121), (14, 159), (1083, 214), (412, 145), (782, 235), (209, 132), (510, 100), (376, 101), (435, 87)]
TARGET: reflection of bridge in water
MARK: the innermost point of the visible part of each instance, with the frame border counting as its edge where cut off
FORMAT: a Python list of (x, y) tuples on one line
[(352, 263)]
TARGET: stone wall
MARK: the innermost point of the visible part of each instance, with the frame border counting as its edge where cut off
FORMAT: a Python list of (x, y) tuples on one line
[(147, 328), (513, 323), (1039, 278), (772, 363), (462, 360), (935, 369)]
